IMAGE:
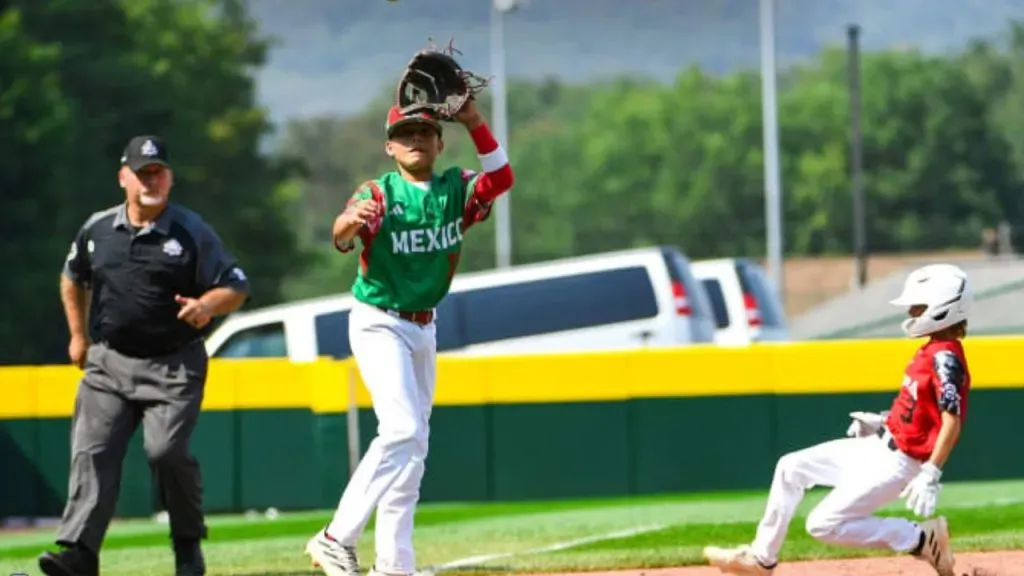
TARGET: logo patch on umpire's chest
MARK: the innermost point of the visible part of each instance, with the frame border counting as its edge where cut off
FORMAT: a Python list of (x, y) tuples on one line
[(172, 248)]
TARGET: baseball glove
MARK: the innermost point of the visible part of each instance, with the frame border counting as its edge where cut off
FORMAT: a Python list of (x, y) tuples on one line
[(435, 82)]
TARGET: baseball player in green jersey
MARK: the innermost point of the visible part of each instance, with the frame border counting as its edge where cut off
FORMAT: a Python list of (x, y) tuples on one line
[(411, 223)]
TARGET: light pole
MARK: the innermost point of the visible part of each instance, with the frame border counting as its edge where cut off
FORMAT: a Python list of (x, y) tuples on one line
[(772, 178), (860, 251), (502, 209)]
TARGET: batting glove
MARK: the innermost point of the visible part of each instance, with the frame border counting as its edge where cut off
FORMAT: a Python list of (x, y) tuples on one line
[(922, 493), (864, 424)]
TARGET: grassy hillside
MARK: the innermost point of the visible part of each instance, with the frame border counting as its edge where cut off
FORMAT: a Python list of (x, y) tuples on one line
[(333, 56)]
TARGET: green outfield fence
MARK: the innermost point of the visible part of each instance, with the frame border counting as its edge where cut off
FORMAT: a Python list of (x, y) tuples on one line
[(701, 418)]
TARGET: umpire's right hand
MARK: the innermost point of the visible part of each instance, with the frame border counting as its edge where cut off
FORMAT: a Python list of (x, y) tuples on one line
[(77, 350)]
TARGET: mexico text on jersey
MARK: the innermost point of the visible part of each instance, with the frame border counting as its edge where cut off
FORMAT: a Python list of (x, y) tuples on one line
[(425, 240)]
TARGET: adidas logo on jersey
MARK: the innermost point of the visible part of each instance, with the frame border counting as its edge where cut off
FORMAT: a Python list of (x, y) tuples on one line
[(424, 240)]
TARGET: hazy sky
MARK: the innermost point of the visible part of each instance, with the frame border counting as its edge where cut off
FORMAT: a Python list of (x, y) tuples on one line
[(336, 55)]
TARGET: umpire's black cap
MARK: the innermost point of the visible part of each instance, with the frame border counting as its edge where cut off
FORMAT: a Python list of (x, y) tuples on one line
[(143, 151)]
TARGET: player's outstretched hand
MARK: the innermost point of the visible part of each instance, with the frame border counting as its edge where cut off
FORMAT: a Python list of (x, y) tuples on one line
[(922, 493)]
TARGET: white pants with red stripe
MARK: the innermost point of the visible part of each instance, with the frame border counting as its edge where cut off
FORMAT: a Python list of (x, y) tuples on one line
[(865, 475), (397, 360)]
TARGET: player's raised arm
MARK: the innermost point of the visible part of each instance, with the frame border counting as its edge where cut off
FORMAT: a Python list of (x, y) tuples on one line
[(497, 177)]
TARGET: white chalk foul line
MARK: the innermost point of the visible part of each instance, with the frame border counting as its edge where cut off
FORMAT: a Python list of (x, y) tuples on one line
[(484, 558)]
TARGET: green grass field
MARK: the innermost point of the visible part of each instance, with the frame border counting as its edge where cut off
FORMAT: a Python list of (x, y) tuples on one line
[(983, 516)]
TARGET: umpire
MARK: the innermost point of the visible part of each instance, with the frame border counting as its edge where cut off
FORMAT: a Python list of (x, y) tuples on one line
[(149, 276)]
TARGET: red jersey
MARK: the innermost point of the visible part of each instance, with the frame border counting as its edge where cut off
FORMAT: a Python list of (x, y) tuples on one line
[(936, 381)]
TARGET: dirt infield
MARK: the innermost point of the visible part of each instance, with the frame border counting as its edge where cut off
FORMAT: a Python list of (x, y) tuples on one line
[(967, 563)]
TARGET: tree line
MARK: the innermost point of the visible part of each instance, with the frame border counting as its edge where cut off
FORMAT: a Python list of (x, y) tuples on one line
[(628, 162), (78, 78), (601, 166)]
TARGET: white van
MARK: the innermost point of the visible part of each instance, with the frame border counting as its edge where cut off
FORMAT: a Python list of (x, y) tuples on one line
[(746, 306), (617, 300)]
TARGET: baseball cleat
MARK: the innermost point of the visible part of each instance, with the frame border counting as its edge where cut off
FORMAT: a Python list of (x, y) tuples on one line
[(740, 561), (936, 550), (328, 555)]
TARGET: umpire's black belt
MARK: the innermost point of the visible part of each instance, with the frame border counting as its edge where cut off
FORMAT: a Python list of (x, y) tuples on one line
[(147, 350)]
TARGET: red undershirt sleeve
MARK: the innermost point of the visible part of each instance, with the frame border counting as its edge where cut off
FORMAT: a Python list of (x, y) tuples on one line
[(495, 179)]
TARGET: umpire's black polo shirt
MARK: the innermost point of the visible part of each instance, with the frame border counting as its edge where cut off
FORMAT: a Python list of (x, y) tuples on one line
[(135, 273)]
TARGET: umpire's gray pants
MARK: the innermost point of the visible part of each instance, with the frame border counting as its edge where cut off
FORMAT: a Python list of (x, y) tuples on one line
[(115, 394)]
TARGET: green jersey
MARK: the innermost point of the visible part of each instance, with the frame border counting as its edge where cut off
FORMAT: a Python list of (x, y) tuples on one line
[(411, 252)]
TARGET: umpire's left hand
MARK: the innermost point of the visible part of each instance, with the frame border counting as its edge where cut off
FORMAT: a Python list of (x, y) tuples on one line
[(193, 311)]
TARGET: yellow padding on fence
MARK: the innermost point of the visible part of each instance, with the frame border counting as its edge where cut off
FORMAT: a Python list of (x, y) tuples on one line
[(842, 367), (18, 396), (829, 367), (701, 371)]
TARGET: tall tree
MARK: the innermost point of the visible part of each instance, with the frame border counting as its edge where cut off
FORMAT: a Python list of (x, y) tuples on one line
[(116, 68)]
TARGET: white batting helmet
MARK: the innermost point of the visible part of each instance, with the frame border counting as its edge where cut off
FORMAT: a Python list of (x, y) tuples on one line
[(944, 289)]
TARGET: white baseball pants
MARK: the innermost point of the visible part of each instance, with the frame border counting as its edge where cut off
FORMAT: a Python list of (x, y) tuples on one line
[(865, 475), (397, 360)]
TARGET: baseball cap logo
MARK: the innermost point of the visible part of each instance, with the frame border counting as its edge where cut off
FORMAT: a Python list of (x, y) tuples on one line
[(144, 150), (149, 149)]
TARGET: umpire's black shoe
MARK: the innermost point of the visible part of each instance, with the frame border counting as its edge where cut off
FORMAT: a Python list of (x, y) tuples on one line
[(188, 558), (70, 561)]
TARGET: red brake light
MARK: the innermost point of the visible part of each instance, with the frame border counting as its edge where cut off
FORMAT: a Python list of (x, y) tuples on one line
[(681, 301), (753, 313)]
